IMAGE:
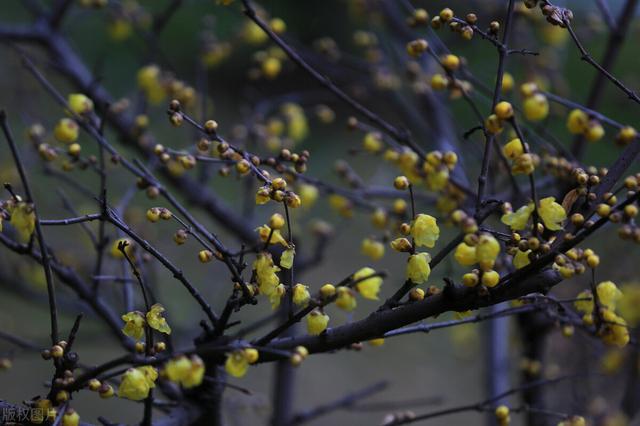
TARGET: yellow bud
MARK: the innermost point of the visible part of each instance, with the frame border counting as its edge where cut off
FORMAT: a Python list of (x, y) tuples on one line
[(503, 110), (205, 256), (327, 290)]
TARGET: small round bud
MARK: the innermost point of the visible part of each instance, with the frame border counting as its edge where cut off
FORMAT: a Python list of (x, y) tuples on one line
[(327, 290), (210, 126), (503, 110), (106, 391), (401, 183), (176, 119), (57, 351), (279, 184), (450, 62), (205, 256), (276, 221), (94, 385), (153, 214), (416, 294)]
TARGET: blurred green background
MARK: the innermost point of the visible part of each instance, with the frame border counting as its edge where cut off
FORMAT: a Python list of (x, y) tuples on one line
[(445, 365)]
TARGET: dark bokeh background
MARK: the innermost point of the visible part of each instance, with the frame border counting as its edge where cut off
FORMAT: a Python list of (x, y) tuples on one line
[(445, 365)]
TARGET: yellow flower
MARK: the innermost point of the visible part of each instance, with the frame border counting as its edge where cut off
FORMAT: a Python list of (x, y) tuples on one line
[(438, 179), (490, 278), (251, 354), (608, 294), (425, 231), (149, 80), (79, 103), (465, 254), (195, 374), (150, 374), (184, 371), (373, 249), (274, 238), (523, 165), (367, 287), (71, 418), (513, 149), (584, 306), (23, 218), (266, 273), (630, 303), (301, 295), (517, 220), (134, 385), (286, 259), (418, 268), (134, 324), (317, 322), (594, 131), (276, 296), (156, 320), (253, 34), (615, 330), (536, 107), (577, 121), (66, 131), (487, 251), (521, 259), (308, 194), (552, 213), (372, 142), (346, 299)]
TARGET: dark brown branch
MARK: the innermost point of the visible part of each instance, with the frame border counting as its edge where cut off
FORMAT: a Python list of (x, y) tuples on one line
[(46, 261)]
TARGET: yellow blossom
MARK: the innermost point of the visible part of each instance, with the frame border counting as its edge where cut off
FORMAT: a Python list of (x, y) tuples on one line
[(513, 149), (301, 295), (156, 320), (517, 220), (425, 231), (70, 418), (487, 251), (437, 180), (346, 299), (317, 322), (615, 331), (150, 374), (465, 254), (629, 303), (134, 385), (23, 218), (367, 287), (308, 194), (584, 306), (79, 103), (373, 249), (134, 324), (274, 236), (521, 259), (608, 294), (266, 273), (552, 213), (66, 131), (536, 107), (577, 121), (286, 259), (418, 268), (276, 296), (188, 372)]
